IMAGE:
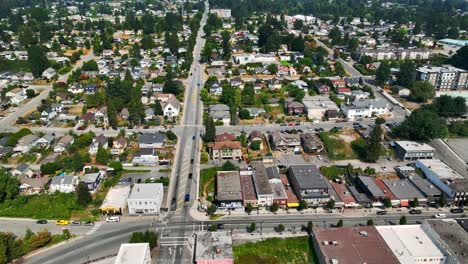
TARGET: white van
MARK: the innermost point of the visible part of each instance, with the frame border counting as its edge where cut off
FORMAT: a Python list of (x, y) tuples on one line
[(113, 219)]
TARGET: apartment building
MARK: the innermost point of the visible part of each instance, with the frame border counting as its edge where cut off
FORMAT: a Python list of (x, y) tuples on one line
[(443, 78)]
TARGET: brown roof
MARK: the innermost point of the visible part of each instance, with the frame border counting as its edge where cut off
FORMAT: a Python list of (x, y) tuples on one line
[(255, 134), (247, 186), (353, 245), (225, 137), (226, 145), (343, 193)]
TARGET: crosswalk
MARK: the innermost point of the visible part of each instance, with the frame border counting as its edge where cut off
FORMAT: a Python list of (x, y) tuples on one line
[(94, 229)]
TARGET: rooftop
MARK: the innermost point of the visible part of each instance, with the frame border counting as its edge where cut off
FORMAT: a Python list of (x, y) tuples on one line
[(424, 186), (343, 193), (402, 189), (308, 177), (351, 245), (414, 146), (443, 171), (116, 197), (133, 254), (248, 189), (453, 235), (369, 183), (213, 246), (146, 191), (228, 186), (260, 177), (409, 242)]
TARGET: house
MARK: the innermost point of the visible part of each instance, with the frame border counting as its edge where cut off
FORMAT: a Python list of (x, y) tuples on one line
[(76, 89), (255, 111), (225, 150), (64, 143), (295, 108), (344, 91), (32, 185), (88, 117), (100, 140), (26, 143), (152, 140), (225, 136), (262, 184), (255, 136), (46, 141), (145, 199), (220, 113), (64, 184), (410, 150), (401, 91), (367, 185), (149, 114), (22, 169), (47, 114), (281, 140), (92, 180), (118, 146), (48, 74), (274, 84), (311, 144), (364, 108), (352, 82), (172, 107), (229, 191), (321, 88), (279, 193), (309, 184), (339, 83), (116, 200), (101, 115), (57, 107), (124, 113), (145, 156), (216, 89)]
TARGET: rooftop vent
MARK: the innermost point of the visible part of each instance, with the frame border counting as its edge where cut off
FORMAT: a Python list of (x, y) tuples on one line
[(363, 233)]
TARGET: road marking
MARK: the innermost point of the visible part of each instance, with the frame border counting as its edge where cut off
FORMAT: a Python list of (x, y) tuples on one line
[(94, 229)]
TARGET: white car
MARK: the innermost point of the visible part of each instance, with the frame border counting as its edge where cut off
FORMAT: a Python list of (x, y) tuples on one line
[(440, 216), (113, 219)]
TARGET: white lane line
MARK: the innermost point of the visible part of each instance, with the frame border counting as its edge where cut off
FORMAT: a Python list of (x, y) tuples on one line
[(94, 229)]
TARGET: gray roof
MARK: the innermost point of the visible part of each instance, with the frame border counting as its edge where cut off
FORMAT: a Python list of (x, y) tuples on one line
[(278, 190), (260, 177), (359, 196), (144, 151), (402, 189), (228, 186), (308, 177), (23, 167), (272, 173), (91, 177), (58, 180), (150, 138), (366, 103), (219, 107), (146, 191), (424, 185), (371, 186)]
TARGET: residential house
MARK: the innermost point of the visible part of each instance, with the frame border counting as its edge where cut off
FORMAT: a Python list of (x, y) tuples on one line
[(311, 144), (229, 191), (47, 114), (339, 83), (216, 89), (118, 146), (309, 184), (152, 140), (225, 136), (281, 140), (101, 115), (92, 180), (364, 108), (172, 107), (145, 156), (295, 108), (32, 185), (225, 150), (100, 140), (255, 111), (320, 106), (262, 184), (149, 114), (321, 88), (64, 184), (64, 143), (255, 135), (57, 107), (220, 113), (26, 143), (49, 73), (87, 118), (22, 169)]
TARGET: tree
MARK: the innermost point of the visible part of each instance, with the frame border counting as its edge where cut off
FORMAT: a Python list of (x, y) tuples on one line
[(302, 205), (273, 68), (340, 223), (298, 24), (228, 166), (244, 114), (448, 106), (331, 204), (116, 165), (9, 186), (248, 208), (210, 130), (460, 59), (147, 42), (82, 194), (407, 74), (382, 75), (422, 125), (380, 121), (37, 60), (374, 146), (280, 228), (442, 201), (173, 86), (84, 110), (149, 237), (170, 135), (211, 210), (30, 93), (370, 222), (403, 220), (309, 227), (158, 108), (102, 156), (387, 202), (274, 207), (339, 69), (255, 145), (40, 239), (213, 228), (414, 203), (422, 91), (252, 227)]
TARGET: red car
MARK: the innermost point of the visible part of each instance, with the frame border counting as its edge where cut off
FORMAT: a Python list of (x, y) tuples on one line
[(290, 124)]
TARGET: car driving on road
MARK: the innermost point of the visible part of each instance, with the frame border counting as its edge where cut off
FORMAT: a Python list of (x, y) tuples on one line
[(62, 222)]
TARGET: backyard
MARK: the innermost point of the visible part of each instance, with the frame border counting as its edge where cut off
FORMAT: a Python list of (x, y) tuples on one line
[(276, 251)]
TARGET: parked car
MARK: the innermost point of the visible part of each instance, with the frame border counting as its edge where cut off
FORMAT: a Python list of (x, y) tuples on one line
[(381, 212), (41, 222), (89, 223), (220, 226), (457, 210), (62, 222), (75, 223), (187, 197), (415, 211), (113, 219), (439, 216), (283, 124)]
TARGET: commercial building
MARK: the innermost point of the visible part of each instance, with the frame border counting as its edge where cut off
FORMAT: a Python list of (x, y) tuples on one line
[(262, 185), (320, 106), (364, 108), (229, 191), (214, 248), (404, 191), (429, 190), (345, 195), (451, 236), (248, 190), (368, 186), (279, 193), (445, 178), (116, 200), (136, 253), (443, 78), (411, 244), (309, 184), (351, 245), (145, 199), (410, 150)]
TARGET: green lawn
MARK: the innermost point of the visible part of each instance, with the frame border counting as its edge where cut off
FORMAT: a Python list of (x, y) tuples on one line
[(14, 66), (337, 148), (276, 251), (42, 206), (207, 180), (332, 172)]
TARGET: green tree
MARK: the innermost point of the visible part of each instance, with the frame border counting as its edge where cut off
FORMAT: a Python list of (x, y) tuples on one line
[(171, 135), (102, 156), (339, 69), (249, 208), (403, 220), (422, 125), (407, 74), (370, 222), (387, 202), (84, 110), (37, 60), (82, 194), (116, 165), (255, 145), (228, 166), (210, 130), (244, 114), (331, 204), (30, 93), (252, 227), (309, 227), (9, 186), (298, 24), (147, 42), (382, 75), (448, 106), (158, 108), (442, 201), (380, 121), (173, 86), (460, 59), (302, 205), (375, 144), (211, 210), (422, 91), (273, 68), (280, 228), (340, 223), (274, 207), (414, 202)]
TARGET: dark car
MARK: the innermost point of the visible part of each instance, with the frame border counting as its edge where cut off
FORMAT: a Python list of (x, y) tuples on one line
[(457, 210), (41, 222), (415, 211), (139, 181), (381, 212), (220, 226), (190, 175), (283, 124), (75, 223), (89, 223)]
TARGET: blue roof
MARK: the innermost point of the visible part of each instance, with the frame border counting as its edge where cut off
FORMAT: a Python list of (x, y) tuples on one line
[(455, 42)]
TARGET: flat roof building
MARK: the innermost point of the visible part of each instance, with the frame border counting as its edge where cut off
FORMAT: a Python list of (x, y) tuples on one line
[(262, 184), (451, 237), (213, 248), (351, 245), (309, 184), (444, 78), (145, 199), (229, 191), (410, 150), (367, 185), (116, 200), (404, 191), (345, 195), (248, 190), (411, 244), (135, 253)]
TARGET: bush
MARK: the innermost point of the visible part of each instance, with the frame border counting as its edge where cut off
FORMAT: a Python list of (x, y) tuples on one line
[(255, 145)]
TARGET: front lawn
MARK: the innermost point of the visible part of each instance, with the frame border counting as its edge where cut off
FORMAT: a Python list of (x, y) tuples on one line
[(276, 251)]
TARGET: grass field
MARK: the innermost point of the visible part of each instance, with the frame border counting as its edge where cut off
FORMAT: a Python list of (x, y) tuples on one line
[(294, 250), (337, 148), (207, 182)]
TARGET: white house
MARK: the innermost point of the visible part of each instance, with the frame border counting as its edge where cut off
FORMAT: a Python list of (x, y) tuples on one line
[(63, 144), (172, 107), (48, 74), (145, 199), (65, 184), (364, 108), (145, 156)]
